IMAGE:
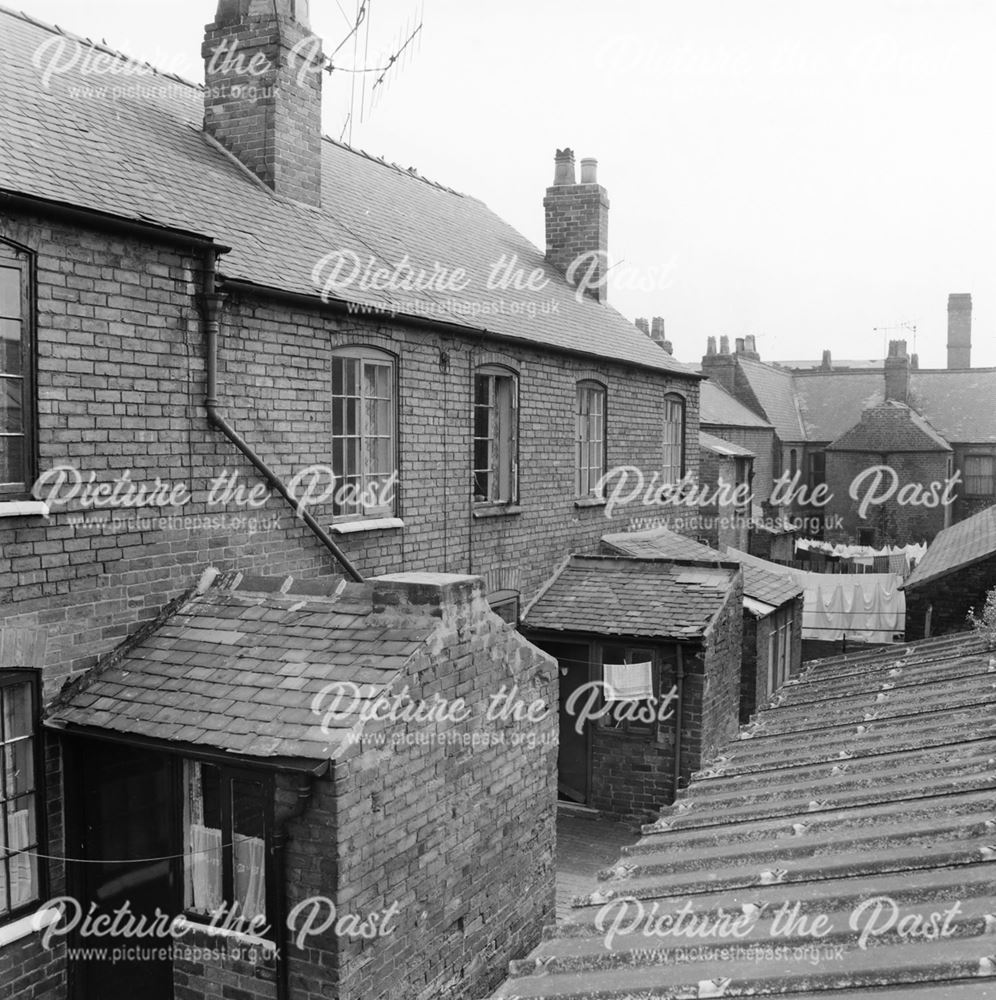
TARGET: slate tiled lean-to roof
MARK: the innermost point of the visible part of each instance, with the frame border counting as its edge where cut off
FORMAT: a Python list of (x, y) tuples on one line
[(662, 543), (962, 544), (720, 409), (236, 669), (144, 156), (604, 595), (866, 793)]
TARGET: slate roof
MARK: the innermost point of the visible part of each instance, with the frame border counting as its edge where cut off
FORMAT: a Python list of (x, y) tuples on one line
[(719, 409), (720, 447), (774, 391), (832, 402), (870, 776), (964, 543), (651, 599), (890, 427), (145, 157), (662, 543), (961, 405), (236, 669)]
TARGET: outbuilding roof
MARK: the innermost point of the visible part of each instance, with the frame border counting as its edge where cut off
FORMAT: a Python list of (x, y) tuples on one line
[(969, 541), (645, 598)]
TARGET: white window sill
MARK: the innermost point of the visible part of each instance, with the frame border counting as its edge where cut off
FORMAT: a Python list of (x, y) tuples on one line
[(33, 923), (375, 524), (228, 933), (590, 502), (23, 508), (496, 510)]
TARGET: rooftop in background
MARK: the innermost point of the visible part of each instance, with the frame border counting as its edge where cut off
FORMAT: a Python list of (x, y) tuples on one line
[(642, 598), (969, 541), (719, 409), (720, 447), (144, 156), (888, 428)]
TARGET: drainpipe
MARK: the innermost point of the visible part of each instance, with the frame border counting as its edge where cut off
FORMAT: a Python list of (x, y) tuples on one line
[(213, 302), (678, 713), (280, 838)]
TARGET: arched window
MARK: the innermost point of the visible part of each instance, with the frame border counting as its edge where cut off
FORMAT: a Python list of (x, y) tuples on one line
[(17, 405), (364, 432), (496, 432), (673, 462), (589, 415)]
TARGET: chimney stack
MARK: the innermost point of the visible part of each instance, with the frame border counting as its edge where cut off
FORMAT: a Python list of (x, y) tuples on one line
[(827, 364), (720, 366), (897, 372), (263, 92), (577, 225), (959, 330), (657, 330)]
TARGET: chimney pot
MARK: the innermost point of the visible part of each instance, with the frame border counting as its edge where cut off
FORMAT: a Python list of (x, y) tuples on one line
[(668, 346), (589, 170), (643, 325), (563, 171), (897, 372), (750, 343), (740, 345), (724, 345), (827, 361), (711, 346)]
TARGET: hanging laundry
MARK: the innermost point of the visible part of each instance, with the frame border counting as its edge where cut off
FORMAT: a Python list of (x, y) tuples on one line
[(629, 681)]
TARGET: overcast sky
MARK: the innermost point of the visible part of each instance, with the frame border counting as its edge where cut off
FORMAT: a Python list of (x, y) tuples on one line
[(802, 170)]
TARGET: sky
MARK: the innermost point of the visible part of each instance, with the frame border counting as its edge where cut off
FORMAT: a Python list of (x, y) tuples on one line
[(818, 174)]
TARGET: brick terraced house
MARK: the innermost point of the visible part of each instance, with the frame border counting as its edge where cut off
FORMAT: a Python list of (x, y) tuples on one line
[(201, 367)]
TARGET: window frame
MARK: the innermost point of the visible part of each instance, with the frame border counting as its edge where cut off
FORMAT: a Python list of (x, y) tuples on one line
[(21, 258), (374, 356), (501, 465), (13, 677), (501, 600), (980, 456), (672, 399), (227, 774), (589, 389)]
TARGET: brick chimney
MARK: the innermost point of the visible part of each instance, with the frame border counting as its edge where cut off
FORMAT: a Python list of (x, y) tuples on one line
[(643, 326), (959, 330), (827, 363), (577, 224), (657, 330), (720, 366), (897, 372), (263, 96)]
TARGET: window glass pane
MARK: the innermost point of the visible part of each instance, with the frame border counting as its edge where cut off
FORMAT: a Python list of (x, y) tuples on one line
[(18, 768), (12, 460), (11, 405), (10, 292), (482, 395), (338, 375), (249, 847), (350, 366), (18, 710), (22, 824), (11, 360)]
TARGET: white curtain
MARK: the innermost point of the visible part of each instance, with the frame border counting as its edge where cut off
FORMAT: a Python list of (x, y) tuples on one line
[(204, 867), (21, 867), (250, 875)]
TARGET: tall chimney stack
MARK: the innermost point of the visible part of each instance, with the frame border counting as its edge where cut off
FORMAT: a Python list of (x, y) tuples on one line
[(897, 372), (959, 330), (263, 92), (577, 225)]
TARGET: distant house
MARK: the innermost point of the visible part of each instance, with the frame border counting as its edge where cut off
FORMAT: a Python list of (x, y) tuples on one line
[(726, 473), (812, 405), (953, 577), (668, 630), (771, 648)]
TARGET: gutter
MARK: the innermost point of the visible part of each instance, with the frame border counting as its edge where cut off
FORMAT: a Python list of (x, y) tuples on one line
[(213, 302)]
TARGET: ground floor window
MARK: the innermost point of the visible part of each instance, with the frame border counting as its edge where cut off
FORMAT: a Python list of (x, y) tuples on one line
[(226, 821), (20, 801)]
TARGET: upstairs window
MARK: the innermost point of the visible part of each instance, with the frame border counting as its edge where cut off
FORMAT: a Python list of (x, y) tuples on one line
[(496, 419), (20, 801), (979, 475), (589, 437), (364, 433), (673, 467), (16, 373)]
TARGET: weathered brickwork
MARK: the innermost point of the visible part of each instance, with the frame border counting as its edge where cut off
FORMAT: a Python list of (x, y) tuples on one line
[(761, 443), (890, 522), (758, 632), (453, 823), (120, 357)]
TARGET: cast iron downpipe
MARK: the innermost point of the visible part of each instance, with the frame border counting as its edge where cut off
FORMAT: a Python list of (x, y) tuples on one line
[(213, 303), (679, 712)]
